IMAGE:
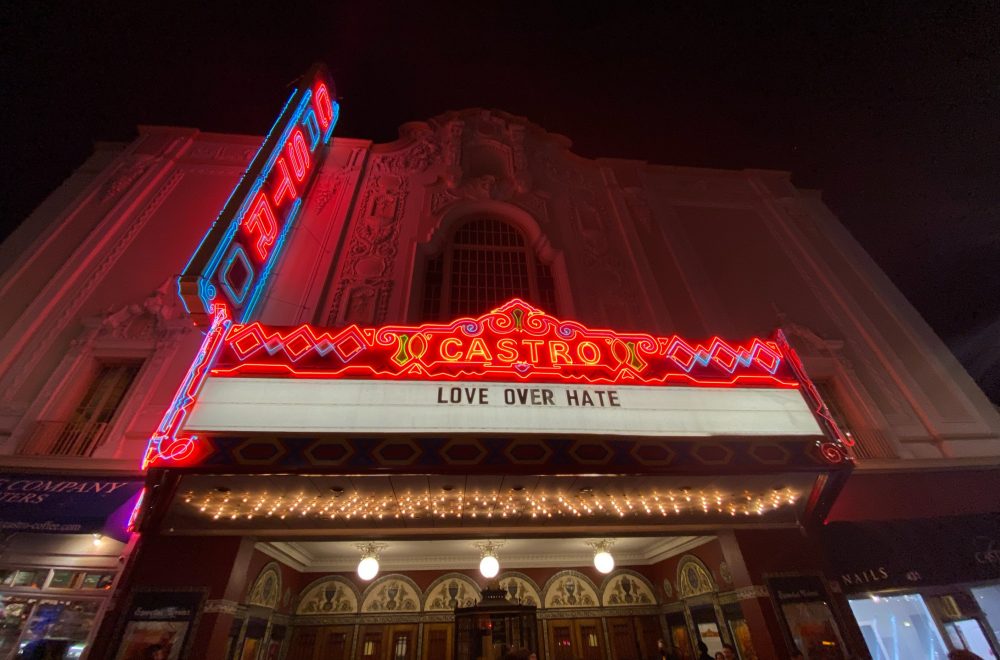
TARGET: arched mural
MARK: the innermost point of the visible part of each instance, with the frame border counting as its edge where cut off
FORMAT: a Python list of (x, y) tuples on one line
[(391, 593), (693, 578), (266, 588), (570, 589), (329, 595), (625, 587), (520, 588), (450, 591)]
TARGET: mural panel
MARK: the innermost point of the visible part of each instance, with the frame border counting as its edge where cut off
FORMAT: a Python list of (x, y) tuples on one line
[(623, 588), (451, 591), (392, 593), (693, 578), (520, 589), (333, 595), (266, 588), (570, 589)]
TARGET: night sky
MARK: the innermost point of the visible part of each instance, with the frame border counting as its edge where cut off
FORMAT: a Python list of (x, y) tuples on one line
[(892, 109)]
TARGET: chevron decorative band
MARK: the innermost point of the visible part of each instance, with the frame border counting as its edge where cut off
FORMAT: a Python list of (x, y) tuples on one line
[(515, 342)]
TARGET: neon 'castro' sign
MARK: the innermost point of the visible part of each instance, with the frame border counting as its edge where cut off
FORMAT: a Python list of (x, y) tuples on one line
[(233, 262), (515, 342)]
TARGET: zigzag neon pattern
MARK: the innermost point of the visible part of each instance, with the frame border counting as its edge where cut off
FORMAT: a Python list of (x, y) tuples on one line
[(513, 342)]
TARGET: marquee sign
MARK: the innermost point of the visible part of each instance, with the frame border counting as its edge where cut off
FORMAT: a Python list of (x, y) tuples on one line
[(233, 262), (515, 342), (515, 369)]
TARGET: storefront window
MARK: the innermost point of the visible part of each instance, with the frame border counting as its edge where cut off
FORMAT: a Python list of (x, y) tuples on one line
[(13, 613), (968, 635), (898, 628), (806, 610), (814, 630), (988, 599), (52, 627)]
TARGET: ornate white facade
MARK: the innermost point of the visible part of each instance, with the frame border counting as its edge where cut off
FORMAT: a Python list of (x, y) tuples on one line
[(89, 279)]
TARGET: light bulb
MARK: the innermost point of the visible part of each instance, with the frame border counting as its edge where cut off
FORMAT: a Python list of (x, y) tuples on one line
[(367, 568), (98, 540), (489, 566), (604, 562)]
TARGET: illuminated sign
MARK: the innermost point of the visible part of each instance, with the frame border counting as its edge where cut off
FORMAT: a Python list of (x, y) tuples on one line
[(67, 504), (233, 262), (168, 444), (311, 408), (516, 365), (515, 342)]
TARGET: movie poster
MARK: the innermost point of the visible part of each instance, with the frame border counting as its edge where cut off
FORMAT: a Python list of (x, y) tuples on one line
[(158, 625), (804, 606)]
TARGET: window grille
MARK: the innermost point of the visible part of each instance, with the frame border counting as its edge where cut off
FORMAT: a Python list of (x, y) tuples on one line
[(486, 263), (400, 647), (88, 424)]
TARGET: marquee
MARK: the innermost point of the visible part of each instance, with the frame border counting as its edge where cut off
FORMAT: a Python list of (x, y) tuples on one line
[(516, 342), (515, 369)]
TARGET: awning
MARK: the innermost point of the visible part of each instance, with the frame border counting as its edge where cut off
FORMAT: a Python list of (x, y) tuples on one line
[(873, 556), (59, 504)]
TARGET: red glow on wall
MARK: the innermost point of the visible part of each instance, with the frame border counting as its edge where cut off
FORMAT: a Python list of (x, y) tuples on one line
[(515, 342), (835, 451), (233, 263), (168, 446)]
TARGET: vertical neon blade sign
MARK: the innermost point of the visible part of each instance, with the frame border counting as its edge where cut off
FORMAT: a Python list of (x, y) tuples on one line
[(234, 261), (228, 273)]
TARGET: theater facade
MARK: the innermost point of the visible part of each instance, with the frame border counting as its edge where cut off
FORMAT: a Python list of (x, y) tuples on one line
[(468, 393)]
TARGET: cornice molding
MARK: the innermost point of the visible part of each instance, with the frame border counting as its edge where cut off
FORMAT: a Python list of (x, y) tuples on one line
[(294, 555)]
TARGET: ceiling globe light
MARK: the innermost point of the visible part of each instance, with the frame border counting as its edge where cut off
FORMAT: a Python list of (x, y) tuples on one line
[(368, 566), (489, 565), (603, 560)]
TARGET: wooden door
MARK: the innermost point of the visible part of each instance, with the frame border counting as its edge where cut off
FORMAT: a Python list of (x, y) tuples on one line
[(591, 639), (650, 632), (303, 643), (320, 643), (576, 639), (561, 642), (438, 641), (624, 642), (371, 643), (334, 643), (402, 642)]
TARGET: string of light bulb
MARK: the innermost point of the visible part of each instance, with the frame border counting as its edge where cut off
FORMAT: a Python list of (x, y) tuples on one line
[(221, 504)]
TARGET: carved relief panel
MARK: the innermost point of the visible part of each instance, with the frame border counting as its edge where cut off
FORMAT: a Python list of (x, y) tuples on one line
[(624, 588), (392, 593), (333, 595), (570, 589), (520, 589), (266, 588), (451, 591)]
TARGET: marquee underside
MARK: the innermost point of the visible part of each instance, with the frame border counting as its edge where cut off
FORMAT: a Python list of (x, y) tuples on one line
[(403, 506)]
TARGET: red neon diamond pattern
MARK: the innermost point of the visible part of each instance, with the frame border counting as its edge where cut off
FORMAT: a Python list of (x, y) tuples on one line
[(513, 342)]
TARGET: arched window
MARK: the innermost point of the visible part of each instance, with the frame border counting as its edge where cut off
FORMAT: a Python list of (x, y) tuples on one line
[(486, 263)]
